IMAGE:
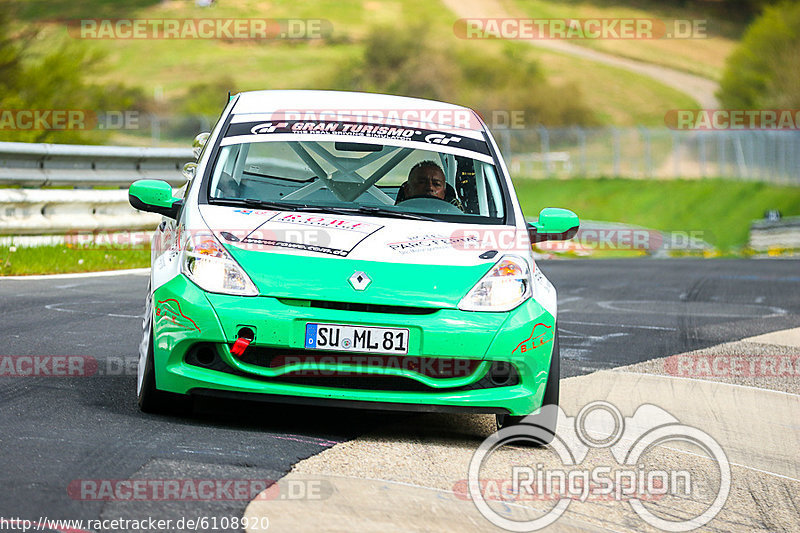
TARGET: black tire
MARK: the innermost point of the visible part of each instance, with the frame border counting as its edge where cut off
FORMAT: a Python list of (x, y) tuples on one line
[(150, 398), (549, 418)]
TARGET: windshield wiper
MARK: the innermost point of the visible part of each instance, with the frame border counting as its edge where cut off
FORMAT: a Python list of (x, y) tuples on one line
[(252, 202), (361, 210), (366, 210), (382, 212)]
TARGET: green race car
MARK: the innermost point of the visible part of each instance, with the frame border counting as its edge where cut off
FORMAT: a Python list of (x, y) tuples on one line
[(349, 249)]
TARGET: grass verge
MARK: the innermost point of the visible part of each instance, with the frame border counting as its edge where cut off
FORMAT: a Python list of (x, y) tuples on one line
[(63, 259), (721, 209), (174, 65)]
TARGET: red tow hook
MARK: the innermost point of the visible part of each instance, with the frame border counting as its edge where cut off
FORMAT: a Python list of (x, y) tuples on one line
[(240, 346), (245, 338)]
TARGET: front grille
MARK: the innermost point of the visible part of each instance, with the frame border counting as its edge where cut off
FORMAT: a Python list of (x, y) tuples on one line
[(500, 373), (365, 308), (434, 367), (358, 382)]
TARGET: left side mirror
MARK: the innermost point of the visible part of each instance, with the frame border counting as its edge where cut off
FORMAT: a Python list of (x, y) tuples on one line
[(554, 224), (198, 144), (154, 196)]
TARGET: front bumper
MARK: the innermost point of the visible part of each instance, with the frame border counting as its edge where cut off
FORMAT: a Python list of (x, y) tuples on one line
[(186, 317)]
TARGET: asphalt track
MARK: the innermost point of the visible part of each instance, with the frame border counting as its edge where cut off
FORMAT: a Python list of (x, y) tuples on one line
[(59, 430)]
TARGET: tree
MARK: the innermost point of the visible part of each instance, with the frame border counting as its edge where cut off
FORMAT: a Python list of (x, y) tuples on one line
[(53, 81), (764, 71)]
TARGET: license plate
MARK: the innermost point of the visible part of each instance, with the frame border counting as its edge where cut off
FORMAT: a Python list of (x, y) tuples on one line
[(356, 338)]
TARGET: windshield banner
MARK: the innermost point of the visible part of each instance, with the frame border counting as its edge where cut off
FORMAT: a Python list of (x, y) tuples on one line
[(437, 139)]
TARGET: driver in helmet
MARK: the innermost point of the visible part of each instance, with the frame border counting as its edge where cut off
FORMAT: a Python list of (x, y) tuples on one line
[(426, 179)]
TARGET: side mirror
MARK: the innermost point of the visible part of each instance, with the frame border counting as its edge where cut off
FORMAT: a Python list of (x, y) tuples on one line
[(554, 224), (154, 196), (189, 171), (198, 144)]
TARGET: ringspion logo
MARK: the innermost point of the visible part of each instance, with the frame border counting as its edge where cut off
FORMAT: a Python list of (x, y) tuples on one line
[(630, 476)]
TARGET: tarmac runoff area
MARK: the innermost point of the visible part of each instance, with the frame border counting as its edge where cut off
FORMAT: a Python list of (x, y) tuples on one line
[(411, 474)]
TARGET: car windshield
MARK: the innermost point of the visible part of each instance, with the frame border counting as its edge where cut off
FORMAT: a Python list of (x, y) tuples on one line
[(359, 174)]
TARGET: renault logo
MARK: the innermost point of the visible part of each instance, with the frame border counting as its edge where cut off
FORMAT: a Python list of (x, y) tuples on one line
[(359, 280)]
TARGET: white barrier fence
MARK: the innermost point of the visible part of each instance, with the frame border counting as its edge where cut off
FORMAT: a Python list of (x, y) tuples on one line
[(28, 209), (771, 156)]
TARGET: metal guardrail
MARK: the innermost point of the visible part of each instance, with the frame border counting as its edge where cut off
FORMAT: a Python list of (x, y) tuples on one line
[(28, 209), (59, 212), (41, 165), (770, 234)]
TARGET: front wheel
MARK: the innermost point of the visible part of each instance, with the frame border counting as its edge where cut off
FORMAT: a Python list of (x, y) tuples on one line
[(152, 400), (546, 419)]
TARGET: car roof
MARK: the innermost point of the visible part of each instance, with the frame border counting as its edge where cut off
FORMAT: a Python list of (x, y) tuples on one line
[(343, 102)]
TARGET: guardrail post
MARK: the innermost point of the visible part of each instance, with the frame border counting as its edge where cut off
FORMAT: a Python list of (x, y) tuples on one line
[(722, 163), (648, 154), (581, 134), (544, 142), (617, 150), (701, 149), (505, 143)]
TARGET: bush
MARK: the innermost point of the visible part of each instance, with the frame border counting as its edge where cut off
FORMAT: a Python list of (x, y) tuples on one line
[(207, 99), (408, 62)]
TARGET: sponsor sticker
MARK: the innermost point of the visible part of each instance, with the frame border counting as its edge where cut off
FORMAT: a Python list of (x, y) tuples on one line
[(433, 241), (170, 310)]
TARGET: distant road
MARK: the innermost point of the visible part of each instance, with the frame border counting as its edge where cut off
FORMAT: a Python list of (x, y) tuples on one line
[(701, 89)]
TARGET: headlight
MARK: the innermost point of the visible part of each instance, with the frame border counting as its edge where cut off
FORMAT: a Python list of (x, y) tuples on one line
[(206, 263), (503, 288)]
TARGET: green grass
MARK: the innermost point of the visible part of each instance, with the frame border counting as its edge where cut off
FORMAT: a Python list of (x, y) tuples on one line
[(615, 96), (62, 259), (721, 209)]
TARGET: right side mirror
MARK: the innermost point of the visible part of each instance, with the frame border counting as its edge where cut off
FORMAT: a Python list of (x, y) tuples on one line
[(198, 143), (154, 196), (554, 224)]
